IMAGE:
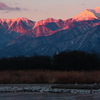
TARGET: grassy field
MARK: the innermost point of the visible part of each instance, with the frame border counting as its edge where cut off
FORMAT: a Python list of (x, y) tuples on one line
[(40, 76)]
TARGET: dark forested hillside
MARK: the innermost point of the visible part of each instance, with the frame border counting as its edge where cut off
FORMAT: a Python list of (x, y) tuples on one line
[(66, 60)]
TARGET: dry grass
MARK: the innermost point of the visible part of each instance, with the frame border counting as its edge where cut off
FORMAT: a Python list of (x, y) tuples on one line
[(40, 76)]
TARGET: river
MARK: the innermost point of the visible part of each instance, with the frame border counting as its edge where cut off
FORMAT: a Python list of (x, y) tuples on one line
[(48, 96), (43, 94)]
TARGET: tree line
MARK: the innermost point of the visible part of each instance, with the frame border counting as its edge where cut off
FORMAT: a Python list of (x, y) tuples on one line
[(63, 61)]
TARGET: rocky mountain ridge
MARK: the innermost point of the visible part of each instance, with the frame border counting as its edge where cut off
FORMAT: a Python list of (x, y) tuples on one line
[(21, 36)]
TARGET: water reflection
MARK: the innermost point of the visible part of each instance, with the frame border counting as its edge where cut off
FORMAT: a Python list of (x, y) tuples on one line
[(48, 96)]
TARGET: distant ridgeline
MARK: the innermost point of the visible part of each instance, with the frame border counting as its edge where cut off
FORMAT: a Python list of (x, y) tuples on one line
[(66, 60), (21, 36)]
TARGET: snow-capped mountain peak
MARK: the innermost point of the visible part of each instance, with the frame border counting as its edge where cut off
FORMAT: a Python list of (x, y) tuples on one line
[(42, 22), (97, 9), (88, 14), (2, 20)]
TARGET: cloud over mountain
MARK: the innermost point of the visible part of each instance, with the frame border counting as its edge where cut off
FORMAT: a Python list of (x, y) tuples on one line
[(3, 6)]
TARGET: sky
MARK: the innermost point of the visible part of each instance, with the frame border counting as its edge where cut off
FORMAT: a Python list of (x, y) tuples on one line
[(42, 9)]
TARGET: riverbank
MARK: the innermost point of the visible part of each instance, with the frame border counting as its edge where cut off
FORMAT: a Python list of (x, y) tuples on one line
[(50, 77)]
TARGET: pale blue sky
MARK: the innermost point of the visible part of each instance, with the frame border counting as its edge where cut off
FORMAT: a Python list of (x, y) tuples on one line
[(41, 9)]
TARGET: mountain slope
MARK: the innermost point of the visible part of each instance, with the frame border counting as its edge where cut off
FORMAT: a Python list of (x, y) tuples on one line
[(70, 39), (21, 36)]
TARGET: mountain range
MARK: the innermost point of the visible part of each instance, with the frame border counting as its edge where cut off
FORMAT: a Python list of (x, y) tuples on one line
[(22, 36)]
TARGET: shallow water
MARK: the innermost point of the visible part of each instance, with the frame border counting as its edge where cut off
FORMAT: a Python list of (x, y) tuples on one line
[(44, 96), (48, 96)]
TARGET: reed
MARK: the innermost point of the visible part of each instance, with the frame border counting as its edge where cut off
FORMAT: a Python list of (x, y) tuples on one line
[(48, 76)]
